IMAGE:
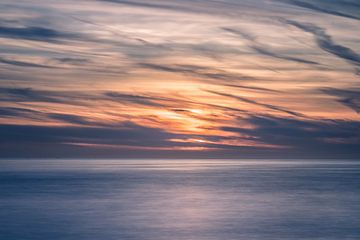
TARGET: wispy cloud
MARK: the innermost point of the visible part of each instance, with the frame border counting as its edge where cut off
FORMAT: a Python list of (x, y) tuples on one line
[(16, 112), (179, 78), (261, 89), (23, 64), (350, 98), (137, 99), (35, 33), (326, 42), (336, 137), (265, 50), (205, 73), (268, 106), (328, 7)]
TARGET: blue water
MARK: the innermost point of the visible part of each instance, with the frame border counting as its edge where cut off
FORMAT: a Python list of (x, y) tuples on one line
[(179, 200)]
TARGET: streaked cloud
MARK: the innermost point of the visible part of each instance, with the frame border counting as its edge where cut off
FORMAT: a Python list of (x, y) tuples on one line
[(133, 78), (266, 50), (326, 42), (268, 106), (337, 137), (34, 33), (338, 8), (350, 98)]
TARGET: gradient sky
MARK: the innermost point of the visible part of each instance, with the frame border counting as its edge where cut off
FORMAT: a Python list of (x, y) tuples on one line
[(180, 78)]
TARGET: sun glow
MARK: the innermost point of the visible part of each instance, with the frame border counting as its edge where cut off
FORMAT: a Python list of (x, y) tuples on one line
[(197, 111), (166, 75)]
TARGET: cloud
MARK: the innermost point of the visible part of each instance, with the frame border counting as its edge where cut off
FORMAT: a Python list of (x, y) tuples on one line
[(18, 95), (205, 73), (326, 43), (23, 64), (136, 99), (73, 61), (296, 138), (30, 95), (265, 50), (321, 136), (126, 134), (184, 6), (261, 89), (327, 7), (268, 106), (35, 33), (68, 118), (349, 98), (25, 113), (17, 112), (164, 5)]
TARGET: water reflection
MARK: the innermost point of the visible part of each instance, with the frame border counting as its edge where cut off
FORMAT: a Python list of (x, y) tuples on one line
[(174, 200)]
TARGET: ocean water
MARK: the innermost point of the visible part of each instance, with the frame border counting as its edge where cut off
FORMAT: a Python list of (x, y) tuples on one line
[(179, 199)]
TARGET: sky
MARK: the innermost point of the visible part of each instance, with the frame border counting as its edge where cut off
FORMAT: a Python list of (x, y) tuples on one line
[(180, 79)]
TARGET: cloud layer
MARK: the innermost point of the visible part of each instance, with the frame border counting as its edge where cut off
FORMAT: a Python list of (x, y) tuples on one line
[(231, 79)]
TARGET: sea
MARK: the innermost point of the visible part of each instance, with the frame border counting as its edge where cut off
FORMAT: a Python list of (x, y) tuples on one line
[(139, 199)]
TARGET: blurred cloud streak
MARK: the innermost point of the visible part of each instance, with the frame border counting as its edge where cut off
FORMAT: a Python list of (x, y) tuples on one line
[(133, 78)]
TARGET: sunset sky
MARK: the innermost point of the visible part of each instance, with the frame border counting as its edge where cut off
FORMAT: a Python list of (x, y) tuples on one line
[(180, 79)]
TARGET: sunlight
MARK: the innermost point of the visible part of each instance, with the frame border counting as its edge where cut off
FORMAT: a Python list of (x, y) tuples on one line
[(196, 111)]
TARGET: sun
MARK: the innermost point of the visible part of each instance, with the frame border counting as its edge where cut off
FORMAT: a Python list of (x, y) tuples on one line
[(196, 111)]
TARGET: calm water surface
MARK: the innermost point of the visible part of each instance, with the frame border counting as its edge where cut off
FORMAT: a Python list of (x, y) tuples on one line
[(179, 200)]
